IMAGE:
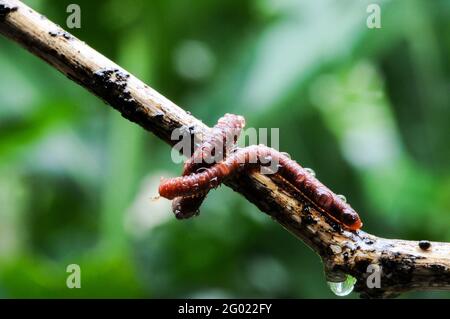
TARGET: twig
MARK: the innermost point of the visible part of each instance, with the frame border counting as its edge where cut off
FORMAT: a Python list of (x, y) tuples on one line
[(405, 266)]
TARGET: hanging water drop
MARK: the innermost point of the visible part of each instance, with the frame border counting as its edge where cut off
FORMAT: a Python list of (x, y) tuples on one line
[(343, 288), (342, 197), (310, 171)]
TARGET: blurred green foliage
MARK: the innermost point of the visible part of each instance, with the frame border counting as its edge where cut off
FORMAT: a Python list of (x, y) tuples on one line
[(367, 109)]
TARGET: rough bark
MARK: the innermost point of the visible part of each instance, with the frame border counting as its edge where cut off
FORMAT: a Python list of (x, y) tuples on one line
[(405, 266)]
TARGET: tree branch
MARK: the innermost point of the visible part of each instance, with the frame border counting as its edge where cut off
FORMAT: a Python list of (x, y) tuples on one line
[(405, 266)]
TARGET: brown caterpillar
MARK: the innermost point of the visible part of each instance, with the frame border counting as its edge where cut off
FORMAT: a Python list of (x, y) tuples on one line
[(251, 157), (214, 148)]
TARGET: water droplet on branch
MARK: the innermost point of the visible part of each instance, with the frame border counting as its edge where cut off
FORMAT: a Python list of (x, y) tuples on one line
[(310, 171), (286, 154), (343, 288)]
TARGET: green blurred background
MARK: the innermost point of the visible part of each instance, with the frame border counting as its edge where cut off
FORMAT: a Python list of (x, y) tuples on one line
[(367, 109)]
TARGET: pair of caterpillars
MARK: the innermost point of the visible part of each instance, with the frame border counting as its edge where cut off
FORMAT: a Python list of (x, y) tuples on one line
[(201, 173)]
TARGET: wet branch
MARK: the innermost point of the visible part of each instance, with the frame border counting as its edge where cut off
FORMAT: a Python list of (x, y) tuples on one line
[(405, 266)]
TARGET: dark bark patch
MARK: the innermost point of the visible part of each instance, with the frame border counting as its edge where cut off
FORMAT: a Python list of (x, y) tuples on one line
[(424, 244), (6, 9), (336, 227), (308, 219)]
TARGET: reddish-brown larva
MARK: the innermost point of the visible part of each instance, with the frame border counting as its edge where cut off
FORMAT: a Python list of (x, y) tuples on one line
[(222, 138), (322, 197), (214, 148)]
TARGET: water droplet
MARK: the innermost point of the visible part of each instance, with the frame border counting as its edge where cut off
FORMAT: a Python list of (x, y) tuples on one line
[(342, 197), (343, 288), (267, 158), (310, 171), (201, 169), (286, 154), (266, 170), (336, 249), (155, 198)]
